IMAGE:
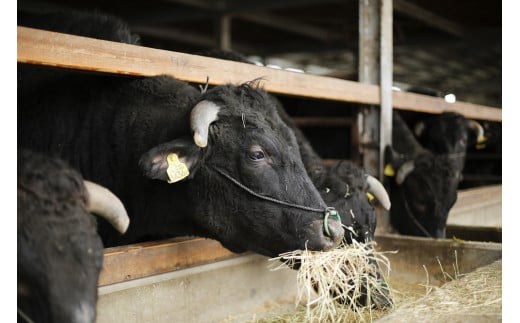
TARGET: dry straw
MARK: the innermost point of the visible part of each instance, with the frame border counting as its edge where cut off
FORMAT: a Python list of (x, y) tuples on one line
[(333, 284), (475, 296), (347, 284)]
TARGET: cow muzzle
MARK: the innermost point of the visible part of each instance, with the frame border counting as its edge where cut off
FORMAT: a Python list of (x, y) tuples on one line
[(324, 234)]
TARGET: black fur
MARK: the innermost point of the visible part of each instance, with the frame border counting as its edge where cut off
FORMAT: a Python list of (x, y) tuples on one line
[(59, 251), (428, 193)]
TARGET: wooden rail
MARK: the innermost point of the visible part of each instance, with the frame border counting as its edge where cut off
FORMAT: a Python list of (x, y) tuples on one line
[(69, 51), (151, 258), (146, 259)]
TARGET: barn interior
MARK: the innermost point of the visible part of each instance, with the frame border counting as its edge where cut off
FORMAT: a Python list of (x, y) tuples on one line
[(450, 50), (439, 48)]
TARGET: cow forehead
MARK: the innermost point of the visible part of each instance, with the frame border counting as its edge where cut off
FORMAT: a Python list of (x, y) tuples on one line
[(241, 99)]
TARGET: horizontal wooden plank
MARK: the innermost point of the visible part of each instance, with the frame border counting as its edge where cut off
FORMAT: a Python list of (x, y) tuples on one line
[(430, 104), (55, 49), (323, 121), (478, 207), (474, 196), (68, 51), (157, 257), (151, 258)]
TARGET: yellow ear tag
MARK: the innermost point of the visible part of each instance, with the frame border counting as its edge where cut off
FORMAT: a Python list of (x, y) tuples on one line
[(370, 196), (389, 170), (176, 169)]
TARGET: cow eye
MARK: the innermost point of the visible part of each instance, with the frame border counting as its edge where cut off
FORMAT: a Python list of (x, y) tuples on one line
[(256, 155)]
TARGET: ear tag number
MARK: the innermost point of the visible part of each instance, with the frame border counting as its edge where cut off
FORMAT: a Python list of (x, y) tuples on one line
[(177, 170)]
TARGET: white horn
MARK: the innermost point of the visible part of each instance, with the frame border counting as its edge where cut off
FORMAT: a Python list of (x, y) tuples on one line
[(479, 130), (378, 190), (419, 129), (404, 171), (104, 203), (202, 115)]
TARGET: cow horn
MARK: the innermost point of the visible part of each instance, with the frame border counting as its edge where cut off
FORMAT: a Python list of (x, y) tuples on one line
[(479, 130), (419, 129), (202, 115), (404, 171), (378, 190), (104, 203)]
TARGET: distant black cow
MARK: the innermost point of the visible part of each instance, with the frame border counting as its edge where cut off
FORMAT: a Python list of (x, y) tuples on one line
[(449, 133), (422, 184), (59, 250)]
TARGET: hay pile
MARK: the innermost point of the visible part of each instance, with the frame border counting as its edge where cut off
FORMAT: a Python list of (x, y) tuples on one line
[(331, 285), (347, 284), (476, 297)]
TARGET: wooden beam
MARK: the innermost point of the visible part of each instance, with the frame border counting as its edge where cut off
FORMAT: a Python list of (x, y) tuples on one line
[(151, 258), (323, 121), (68, 51), (61, 50), (224, 32), (407, 8), (243, 6), (175, 35), (290, 25), (434, 105)]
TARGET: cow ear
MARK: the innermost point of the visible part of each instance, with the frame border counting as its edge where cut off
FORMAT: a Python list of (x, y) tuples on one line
[(172, 161), (389, 161)]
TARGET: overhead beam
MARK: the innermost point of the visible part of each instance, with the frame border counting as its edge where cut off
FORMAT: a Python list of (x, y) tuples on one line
[(224, 32), (412, 10), (290, 25), (176, 35), (68, 51), (242, 6)]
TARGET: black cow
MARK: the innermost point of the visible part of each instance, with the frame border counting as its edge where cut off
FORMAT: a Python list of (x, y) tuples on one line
[(236, 165), (344, 186), (449, 133), (422, 185), (238, 179), (348, 188), (59, 250)]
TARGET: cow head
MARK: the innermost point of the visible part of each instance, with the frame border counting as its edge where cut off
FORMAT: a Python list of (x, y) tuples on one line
[(242, 161), (448, 133), (423, 188), (59, 252), (351, 191)]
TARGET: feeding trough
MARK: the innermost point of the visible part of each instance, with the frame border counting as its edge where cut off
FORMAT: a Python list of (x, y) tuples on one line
[(245, 288)]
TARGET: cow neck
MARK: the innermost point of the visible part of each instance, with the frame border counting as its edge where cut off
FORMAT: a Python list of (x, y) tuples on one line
[(328, 211), (414, 220)]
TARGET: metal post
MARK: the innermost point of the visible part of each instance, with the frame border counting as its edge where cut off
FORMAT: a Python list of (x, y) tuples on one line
[(369, 29), (224, 36), (375, 67)]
